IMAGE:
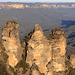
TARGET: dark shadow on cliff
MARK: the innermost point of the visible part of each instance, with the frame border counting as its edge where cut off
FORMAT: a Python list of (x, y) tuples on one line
[(67, 23), (26, 39)]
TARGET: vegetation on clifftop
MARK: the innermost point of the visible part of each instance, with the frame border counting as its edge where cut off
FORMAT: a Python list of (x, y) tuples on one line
[(70, 70), (3, 70), (5, 56)]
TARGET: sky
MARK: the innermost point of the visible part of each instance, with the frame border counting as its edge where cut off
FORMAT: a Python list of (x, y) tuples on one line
[(37, 0)]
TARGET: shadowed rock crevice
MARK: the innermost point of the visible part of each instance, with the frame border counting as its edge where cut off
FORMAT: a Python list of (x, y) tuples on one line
[(25, 42)]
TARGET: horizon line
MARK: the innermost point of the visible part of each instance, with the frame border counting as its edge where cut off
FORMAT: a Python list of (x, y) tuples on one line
[(35, 2)]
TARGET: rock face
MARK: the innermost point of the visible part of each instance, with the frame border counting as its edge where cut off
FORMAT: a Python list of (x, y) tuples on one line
[(0, 51), (35, 5), (72, 60), (58, 45), (44, 56), (39, 51), (47, 55), (11, 42)]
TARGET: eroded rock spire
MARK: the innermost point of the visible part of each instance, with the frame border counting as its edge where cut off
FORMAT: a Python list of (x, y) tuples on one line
[(39, 51), (11, 42), (43, 55), (58, 45), (47, 55)]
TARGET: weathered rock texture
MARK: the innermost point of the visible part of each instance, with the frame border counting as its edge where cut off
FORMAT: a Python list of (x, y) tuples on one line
[(58, 45), (47, 55), (39, 51), (72, 60), (11, 42), (44, 56), (1, 58)]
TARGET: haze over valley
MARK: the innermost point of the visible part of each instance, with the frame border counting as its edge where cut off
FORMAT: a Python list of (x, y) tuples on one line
[(47, 15), (37, 38)]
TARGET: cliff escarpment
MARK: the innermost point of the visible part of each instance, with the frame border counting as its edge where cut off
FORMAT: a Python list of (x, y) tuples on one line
[(15, 5), (37, 55), (48, 55)]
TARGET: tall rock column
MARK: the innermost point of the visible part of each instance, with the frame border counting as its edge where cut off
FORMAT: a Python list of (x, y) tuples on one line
[(39, 52), (11, 42), (58, 41)]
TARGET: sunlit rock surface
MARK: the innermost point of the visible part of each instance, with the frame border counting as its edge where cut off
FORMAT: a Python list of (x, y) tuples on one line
[(48, 55), (72, 60), (58, 45), (11, 42), (39, 51), (44, 56), (10, 5)]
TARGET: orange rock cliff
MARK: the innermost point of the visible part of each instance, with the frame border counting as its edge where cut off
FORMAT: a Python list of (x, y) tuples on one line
[(45, 56)]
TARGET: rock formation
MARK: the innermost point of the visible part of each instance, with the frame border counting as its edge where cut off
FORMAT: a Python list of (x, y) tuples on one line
[(58, 45), (0, 51), (72, 60), (11, 42), (44, 56), (35, 5), (39, 51), (47, 55)]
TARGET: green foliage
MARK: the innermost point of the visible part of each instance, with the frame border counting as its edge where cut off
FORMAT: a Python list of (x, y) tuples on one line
[(30, 74), (5, 56), (27, 37), (0, 41), (70, 71), (3, 69), (22, 64), (49, 36), (2, 45), (42, 74), (12, 69)]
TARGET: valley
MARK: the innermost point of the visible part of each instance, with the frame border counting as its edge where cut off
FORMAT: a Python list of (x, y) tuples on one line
[(47, 18)]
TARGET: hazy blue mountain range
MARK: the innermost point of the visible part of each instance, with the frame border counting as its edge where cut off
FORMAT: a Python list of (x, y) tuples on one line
[(16, 5), (47, 18)]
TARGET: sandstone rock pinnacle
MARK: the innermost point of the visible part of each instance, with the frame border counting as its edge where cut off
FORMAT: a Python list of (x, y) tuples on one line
[(39, 51), (47, 55), (37, 28), (11, 42), (58, 45)]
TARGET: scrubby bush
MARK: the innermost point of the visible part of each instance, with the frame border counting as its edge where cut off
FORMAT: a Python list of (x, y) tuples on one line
[(4, 55), (12, 69), (49, 36), (70, 71), (22, 64), (3, 70), (28, 37)]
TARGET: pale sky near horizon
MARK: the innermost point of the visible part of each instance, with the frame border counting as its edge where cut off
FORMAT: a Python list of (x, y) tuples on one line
[(37, 0)]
